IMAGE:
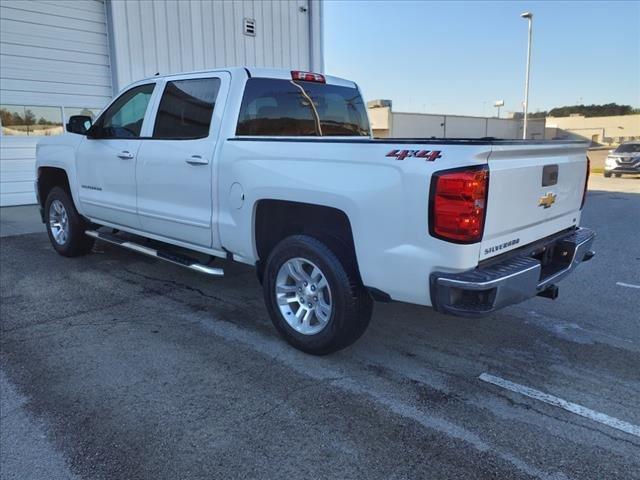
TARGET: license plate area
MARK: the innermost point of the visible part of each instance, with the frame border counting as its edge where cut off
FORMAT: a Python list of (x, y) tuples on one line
[(554, 258)]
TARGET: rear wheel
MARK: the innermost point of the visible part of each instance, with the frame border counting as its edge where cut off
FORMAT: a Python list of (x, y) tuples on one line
[(314, 297), (65, 225)]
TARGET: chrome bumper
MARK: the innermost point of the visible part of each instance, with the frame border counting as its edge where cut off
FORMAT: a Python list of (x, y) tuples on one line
[(488, 288)]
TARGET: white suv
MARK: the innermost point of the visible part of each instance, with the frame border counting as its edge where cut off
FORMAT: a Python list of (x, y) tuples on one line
[(624, 159)]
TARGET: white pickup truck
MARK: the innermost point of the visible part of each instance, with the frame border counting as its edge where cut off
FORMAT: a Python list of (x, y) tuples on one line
[(278, 169)]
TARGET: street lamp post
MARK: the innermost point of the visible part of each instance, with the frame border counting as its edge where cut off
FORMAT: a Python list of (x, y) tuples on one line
[(529, 17)]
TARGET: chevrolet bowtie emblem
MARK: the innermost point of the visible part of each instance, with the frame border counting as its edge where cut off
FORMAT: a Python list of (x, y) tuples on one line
[(547, 200)]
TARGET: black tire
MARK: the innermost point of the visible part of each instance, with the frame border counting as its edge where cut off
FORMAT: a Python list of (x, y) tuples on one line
[(76, 242), (618, 175), (351, 303), (607, 174)]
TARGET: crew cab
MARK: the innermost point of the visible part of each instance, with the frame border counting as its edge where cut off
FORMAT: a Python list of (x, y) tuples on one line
[(278, 169)]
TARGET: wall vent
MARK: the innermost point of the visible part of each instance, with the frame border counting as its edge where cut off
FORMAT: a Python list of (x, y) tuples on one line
[(249, 27)]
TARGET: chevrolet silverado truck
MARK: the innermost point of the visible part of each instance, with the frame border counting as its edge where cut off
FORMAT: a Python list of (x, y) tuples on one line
[(279, 170)]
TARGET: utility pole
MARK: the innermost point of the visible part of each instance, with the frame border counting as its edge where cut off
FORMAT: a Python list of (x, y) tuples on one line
[(529, 17)]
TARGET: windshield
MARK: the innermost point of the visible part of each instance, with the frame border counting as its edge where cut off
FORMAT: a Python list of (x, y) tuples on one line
[(628, 148)]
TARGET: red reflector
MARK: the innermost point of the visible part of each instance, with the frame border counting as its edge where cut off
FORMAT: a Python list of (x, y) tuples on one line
[(307, 76), (586, 183), (458, 204)]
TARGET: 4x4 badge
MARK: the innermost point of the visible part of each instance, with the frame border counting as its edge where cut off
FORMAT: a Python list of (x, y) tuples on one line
[(428, 155)]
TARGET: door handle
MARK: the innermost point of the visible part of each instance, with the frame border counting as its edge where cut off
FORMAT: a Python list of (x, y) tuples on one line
[(125, 155), (196, 160)]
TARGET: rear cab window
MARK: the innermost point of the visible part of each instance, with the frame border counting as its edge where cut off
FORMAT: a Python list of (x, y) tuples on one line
[(279, 107)]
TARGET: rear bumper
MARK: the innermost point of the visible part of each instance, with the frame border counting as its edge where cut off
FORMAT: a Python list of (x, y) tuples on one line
[(486, 289)]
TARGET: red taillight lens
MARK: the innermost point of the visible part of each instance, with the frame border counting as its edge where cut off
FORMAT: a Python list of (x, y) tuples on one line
[(458, 204), (307, 76), (586, 183)]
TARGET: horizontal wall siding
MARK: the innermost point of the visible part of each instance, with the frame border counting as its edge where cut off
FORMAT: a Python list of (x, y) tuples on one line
[(183, 35), (52, 53), (59, 49), (17, 167)]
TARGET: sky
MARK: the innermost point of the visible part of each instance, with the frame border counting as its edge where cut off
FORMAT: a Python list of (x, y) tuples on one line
[(460, 57)]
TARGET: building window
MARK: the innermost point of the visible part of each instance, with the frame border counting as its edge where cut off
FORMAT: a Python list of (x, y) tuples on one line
[(186, 108), (19, 120)]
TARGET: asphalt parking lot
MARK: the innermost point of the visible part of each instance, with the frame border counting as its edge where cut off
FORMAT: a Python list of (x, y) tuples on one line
[(118, 366)]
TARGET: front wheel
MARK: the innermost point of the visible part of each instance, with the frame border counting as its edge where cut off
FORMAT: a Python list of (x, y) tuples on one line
[(65, 225), (314, 295), (607, 174)]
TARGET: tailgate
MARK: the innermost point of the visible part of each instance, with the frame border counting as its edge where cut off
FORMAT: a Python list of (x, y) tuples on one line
[(535, 190)]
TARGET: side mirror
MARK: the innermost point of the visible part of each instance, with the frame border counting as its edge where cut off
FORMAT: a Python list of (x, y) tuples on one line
[(79, 124)]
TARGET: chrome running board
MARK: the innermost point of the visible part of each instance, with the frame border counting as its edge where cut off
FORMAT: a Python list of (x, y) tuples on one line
[(170, 257)]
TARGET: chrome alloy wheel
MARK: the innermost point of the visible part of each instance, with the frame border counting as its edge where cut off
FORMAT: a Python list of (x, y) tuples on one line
[(59, 222), (303, 296)]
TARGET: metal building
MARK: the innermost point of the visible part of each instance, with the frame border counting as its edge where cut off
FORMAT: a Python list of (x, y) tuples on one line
[(62, 57), (387, 123)]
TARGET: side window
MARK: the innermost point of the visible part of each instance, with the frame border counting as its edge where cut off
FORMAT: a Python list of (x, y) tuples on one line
[(186, 108), (123, 119)]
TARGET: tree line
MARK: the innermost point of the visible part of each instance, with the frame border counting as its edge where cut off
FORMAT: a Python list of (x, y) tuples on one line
[(606, 110), (9, 118)]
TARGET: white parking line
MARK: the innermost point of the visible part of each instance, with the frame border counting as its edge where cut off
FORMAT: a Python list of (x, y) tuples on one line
[(559, 402), (628, 285)]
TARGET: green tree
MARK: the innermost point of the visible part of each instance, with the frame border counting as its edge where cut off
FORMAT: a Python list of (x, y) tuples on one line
[(6, 117), (29, 119), (16, 119), (609, 109)]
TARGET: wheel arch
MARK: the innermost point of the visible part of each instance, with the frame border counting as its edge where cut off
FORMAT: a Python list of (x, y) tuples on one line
[(276, 219), (49, 177)]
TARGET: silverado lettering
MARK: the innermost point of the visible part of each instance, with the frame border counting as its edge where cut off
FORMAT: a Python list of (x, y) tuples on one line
[(501, 246)]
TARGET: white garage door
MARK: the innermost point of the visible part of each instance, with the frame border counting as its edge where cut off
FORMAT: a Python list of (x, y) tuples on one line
[(54, 62)]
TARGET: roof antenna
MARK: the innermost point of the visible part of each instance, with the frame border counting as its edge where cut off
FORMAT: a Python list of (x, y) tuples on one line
[(157, 73)]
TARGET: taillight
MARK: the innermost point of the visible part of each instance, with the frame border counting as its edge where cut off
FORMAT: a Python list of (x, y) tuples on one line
[(586, 183), (458, 204), (307, 76)]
